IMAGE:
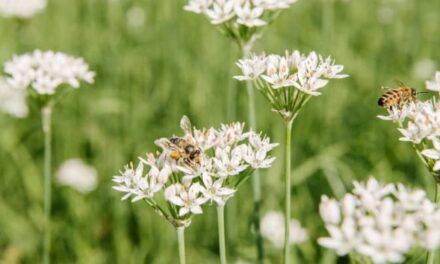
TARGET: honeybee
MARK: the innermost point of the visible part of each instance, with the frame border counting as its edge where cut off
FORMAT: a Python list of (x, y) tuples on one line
[(185, 150), (398, 97)]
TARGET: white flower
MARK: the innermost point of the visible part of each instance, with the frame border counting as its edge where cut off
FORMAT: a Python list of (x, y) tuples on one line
[(187, 198), (46, 71), (383, 222), (424, 69), (274, 4), (434, 85), (272, 229), (256, 153), (237, 13), (134, 182), (277, 72), (423, 121), (249, 16), (135, 17), (434, 153), (228, 162), (21, 8), (343, 239), (230, 134), (215, 191), (12, 101), (251, 67), (221, 11), (77, 175), (198, 6), (329, 210)]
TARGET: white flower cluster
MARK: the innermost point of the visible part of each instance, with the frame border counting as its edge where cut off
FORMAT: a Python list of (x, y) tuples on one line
[(272, 228), (77, 175), (249, 13), (12, 101), (21, 8), (300, 74), (380, 221), (46, 71), (419, 123), (202, 166)]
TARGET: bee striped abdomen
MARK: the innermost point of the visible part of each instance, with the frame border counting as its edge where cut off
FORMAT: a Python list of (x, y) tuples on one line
[(397, 97)]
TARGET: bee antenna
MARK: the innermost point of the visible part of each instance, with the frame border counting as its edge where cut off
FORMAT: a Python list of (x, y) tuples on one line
[(422, 92)]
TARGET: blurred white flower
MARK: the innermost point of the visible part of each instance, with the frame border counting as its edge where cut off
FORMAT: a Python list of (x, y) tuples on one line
[(12, 101), (221, 11), (241, 20), (273, 4), (77, 175), (46, 71), (380, 221), (272, 229), (424, 69), (249, 16), (434, 85), (21, 8), (135, 17), (385, 14), (329, 210)]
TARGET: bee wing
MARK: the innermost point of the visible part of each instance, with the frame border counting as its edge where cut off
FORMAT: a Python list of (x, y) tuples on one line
[(399, 82), (185, 124), (166, 144)]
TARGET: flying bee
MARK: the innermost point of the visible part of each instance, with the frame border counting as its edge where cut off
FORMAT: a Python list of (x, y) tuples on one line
[(398, 97), (183, 149)]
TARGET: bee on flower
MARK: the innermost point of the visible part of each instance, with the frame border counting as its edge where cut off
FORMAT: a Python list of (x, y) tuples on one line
[(201, 167), (419, 123)]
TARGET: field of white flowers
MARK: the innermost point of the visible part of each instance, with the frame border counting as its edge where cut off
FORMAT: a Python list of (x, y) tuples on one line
[(219, 131)]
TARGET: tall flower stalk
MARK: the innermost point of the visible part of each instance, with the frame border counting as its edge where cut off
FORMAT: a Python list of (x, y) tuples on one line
[(46, 114), (201, 167), (419, 123), (243, 22), (288, 82), (40, 76)]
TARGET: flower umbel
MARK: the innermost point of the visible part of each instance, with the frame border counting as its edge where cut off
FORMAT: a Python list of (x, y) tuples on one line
[(46, 71), (380, 221), (78, 175), (202, 166), (242, 20), (21, 8), (289, 81), (272, 229)]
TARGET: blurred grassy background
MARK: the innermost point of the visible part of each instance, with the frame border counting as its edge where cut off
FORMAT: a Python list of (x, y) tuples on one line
[(175, 63)]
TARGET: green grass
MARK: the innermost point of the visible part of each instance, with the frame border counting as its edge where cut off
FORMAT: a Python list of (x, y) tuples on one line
[(148, 77)]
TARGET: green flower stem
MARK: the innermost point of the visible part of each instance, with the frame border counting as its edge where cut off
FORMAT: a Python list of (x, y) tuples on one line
[(46, 114), (221, 233), (256, 184), (287, 190), (181, 242)]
